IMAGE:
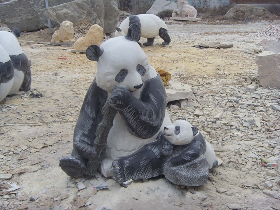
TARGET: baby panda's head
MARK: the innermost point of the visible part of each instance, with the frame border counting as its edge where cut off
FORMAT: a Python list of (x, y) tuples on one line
[(181, 132), (120, 62)]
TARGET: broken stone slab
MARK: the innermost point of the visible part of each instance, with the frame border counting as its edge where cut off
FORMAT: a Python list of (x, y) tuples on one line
[(216, 45), (193, 19), (178, 91), (269, 69)]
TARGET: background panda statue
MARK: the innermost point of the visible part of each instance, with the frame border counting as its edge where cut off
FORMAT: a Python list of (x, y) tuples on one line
[(21, 64), (150, 27), (132, 87), (180, 153), (6, 73)]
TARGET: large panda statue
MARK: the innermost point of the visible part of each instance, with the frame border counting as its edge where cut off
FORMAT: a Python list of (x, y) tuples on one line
[(21, 64), (134, 89), (6, 73), (150, 27)]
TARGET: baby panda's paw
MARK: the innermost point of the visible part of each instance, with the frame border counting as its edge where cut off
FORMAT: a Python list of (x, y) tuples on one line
[(118, 171), (119, 97), (72, 166)]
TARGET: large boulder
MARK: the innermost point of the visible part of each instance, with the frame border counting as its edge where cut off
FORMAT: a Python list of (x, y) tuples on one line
[(161, 5), (32, 15), (21, 15)]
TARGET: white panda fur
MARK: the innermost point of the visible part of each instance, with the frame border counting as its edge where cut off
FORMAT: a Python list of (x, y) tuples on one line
[(4, 87), (12, 47), (150, 25), (186, 136), (119, 53)]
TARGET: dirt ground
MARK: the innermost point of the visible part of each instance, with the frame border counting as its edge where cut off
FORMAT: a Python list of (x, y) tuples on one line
[(36, 127)]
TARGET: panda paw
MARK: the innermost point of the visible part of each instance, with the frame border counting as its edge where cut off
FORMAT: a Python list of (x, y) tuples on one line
[(118, 171), (119, 97), (72, 166)]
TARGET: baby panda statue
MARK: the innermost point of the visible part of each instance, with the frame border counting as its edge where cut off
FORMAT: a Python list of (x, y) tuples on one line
[(128, 84), (20, 69), (180, 153), (150, 26)]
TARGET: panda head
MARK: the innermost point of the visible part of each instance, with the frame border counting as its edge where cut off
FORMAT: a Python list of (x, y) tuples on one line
[(120, 62), (181, 132)]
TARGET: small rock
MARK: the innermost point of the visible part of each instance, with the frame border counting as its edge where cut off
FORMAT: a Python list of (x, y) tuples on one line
[(81, 186), (206, 204), (218, 116), (271, 193), (5, 176), (275, 107), (221, 190), (271, 173), (268, 184), (198, 112), (234, 206), (33, 198)]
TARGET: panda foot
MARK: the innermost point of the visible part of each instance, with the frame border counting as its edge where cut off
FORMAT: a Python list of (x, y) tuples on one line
[(165, 43), (147, 44), (72, 167), (118, 171)]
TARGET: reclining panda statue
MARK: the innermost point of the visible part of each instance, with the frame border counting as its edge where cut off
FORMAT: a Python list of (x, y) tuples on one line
[(19, 74), (150, 26)]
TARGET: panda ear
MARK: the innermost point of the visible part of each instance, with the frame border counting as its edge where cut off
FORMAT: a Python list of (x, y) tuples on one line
[(93, 52), (118, 29)]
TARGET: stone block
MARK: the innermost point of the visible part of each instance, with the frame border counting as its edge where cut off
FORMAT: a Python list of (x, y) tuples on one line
[(269, 69)]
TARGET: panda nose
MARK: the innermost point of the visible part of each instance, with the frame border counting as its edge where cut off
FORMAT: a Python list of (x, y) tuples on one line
[(165, 128), (138, 86)]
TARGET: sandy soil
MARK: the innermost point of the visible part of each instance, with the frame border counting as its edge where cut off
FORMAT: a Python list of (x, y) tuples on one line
[(36, 127)]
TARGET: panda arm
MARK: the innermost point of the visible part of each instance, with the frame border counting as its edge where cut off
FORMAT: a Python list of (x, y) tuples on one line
[(89, 118), (144, 116)]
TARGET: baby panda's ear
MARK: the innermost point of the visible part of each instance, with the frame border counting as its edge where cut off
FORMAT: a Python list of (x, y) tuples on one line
[(195, 130), (118, 29), (93, 52)]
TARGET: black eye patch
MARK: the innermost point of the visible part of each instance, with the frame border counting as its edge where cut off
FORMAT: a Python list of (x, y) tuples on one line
[(121, 75), (141, 70), (177, 130)]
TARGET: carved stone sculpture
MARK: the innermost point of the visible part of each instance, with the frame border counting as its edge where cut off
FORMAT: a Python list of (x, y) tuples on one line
[(131, 87), (14, 69), (184, 10), (150, 26)]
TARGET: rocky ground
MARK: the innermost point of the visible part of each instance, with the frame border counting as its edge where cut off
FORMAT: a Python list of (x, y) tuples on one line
[(235, 114)]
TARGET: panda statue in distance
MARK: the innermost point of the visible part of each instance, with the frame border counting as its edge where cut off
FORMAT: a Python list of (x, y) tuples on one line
[(132, 87), (21, 64), (150, 26)]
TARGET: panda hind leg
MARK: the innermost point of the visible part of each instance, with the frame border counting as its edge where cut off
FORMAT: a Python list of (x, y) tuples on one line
[(150, 41), (165, 36), (73, 165)]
